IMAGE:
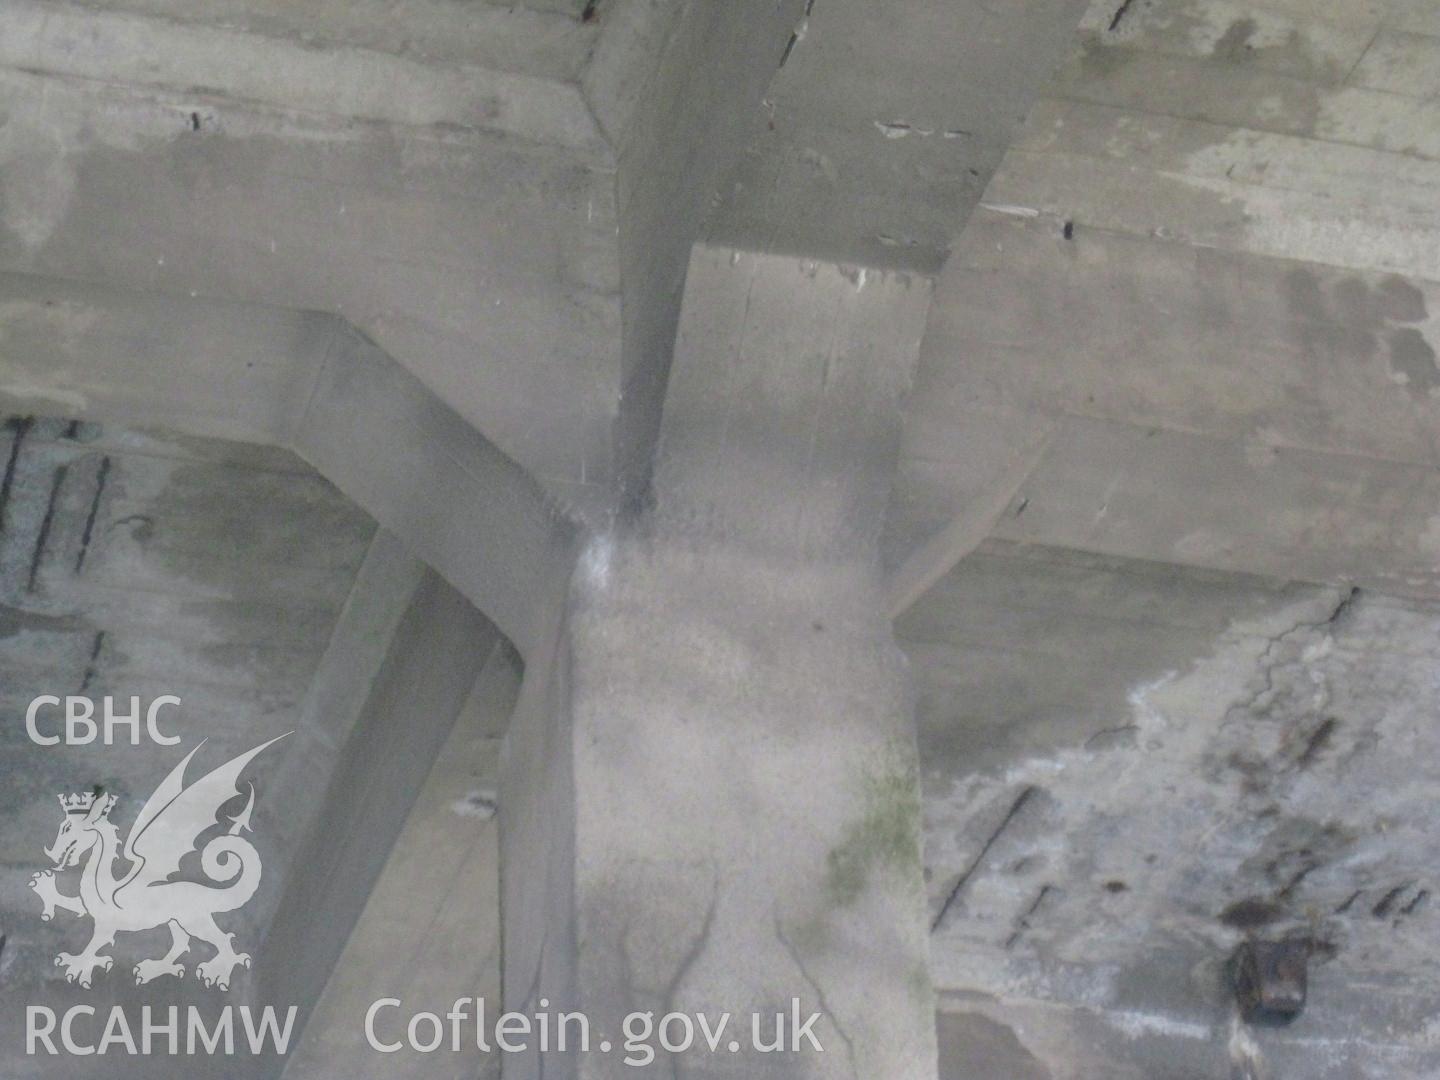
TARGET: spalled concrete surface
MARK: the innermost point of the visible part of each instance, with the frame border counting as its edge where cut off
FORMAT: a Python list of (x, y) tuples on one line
[(143, 563), (1211, 756)]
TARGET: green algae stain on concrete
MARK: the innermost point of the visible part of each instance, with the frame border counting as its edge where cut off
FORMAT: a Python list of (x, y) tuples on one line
[(885, 836)]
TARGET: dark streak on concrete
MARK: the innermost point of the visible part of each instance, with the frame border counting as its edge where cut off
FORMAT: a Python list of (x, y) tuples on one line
[(1235, 42), (789, 48), (1319, 740), (1296, 880), (964, 879), (1389, 900), (38, 555), (21, 427), (92, 667), (1251, 913), (100, 481), (1023, 923)]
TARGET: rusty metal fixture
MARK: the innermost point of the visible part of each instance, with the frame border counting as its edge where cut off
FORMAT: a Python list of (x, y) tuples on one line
[(1270, 980)]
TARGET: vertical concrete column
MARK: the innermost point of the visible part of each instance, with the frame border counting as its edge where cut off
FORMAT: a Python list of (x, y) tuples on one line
[(713, 800)]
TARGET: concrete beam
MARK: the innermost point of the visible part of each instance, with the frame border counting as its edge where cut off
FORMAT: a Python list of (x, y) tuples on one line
[(429, 933), (298, 181), (469, 511), (677, 89), (942, 552), (1255, 323), (268, 63), (203, 367), (1228, 186), (305, 381), (332, 163), (884, 125), (1219, 409), (389, 726)]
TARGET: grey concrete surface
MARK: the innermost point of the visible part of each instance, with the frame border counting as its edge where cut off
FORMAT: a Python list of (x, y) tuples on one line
[(302, 380), (430, 933), (542, 312), (437, 647), (440, 250), (1214, 756), (145, 563), (1203, 272), (675, 86), (884, 124), (661, 849), (1212, 236)]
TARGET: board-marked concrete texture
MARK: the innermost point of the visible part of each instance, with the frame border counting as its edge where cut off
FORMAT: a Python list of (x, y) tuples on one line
[(490, 198)]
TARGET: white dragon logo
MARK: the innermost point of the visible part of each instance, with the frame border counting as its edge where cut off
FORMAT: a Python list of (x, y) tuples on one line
[(168, 828)]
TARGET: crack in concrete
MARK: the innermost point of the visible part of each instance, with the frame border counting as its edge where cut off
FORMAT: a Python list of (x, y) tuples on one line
[(1349, 902), (1336, 616), (820, 997), (1316, 744), (692, 955)]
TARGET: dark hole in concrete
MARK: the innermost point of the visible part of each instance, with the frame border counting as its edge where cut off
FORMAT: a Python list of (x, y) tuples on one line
[(1116, 887), (1250, 913), (1270, 980)]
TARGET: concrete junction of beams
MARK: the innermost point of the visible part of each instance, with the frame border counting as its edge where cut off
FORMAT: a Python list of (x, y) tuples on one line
[(927, 509)]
